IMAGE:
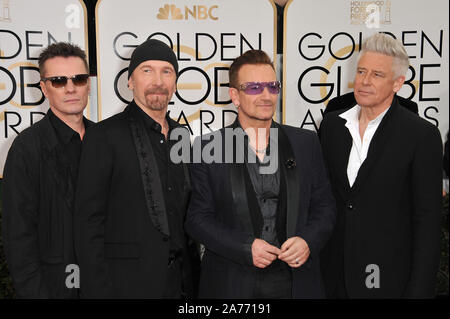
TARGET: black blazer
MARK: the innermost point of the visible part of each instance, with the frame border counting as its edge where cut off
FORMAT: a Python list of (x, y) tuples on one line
[(38, 191), (390, 217), (224, 216), (348, 100), (121, 252)]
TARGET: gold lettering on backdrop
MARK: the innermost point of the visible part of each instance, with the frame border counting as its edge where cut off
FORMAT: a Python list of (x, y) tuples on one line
[(196, 12)]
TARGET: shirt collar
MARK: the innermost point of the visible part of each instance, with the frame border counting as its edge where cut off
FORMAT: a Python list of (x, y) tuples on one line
[(237, 124), (64, 132), (151, 123), (352, 116)]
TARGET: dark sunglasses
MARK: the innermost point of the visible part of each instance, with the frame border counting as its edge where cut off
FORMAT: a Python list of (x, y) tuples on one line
[(254, 88), (60, 81)]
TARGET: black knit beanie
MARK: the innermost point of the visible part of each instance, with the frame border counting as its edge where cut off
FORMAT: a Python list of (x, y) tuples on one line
[(152, 49)]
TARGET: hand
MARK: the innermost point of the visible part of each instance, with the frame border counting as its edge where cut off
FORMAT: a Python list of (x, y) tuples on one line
[(263, 253), (294, 252)]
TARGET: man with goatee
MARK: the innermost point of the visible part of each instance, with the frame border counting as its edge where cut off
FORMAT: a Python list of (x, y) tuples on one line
[(131, 198)]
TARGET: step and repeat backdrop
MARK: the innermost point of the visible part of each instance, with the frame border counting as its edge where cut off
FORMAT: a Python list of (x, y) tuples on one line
[(321, 43), (206, 36), (26, 27)]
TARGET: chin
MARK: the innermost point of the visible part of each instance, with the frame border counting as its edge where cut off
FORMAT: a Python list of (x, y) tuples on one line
[(362, 100), (265, 118), (72, 111), (157, 105)]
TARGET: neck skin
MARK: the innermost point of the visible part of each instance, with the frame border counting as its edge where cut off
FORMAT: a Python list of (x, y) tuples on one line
[(368, 114), (158, 116), (74, 121), (257, 141)]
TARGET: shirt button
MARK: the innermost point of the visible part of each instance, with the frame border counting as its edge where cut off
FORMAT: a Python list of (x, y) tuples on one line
[(350, 206), (169, 188)]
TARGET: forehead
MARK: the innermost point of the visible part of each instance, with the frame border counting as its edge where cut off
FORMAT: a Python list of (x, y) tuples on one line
[(67, 66), (376, 61), (256, 73), (156, 64)]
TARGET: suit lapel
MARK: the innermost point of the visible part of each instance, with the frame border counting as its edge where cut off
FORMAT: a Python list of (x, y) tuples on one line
[(342, 153), (240, 189), (151, 181), (376, 148), (245, 204), (291, 180)]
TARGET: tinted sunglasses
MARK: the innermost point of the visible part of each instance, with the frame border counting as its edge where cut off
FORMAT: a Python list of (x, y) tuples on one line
[(253, 88), (61, 81)]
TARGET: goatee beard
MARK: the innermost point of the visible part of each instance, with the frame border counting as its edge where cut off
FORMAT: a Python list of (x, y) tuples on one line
[(157, 103)]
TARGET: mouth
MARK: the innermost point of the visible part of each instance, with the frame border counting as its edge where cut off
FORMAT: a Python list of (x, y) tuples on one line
[(361, 92), (72, 101), (266, 107), (157, 91)]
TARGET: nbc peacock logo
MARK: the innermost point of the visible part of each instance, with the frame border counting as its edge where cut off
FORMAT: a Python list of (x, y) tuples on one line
[(196, 12), (169, 10)]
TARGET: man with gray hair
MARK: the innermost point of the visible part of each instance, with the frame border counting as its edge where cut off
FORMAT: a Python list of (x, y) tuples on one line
[(385, 166)]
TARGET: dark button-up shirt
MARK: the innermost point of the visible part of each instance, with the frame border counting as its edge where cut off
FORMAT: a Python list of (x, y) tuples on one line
[(70, 142), (171, 175), (267, 190)]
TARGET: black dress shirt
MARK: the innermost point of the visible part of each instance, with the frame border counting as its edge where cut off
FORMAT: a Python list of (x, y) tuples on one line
[(70, 142), (267, 190), (171, 175), (172, 182)]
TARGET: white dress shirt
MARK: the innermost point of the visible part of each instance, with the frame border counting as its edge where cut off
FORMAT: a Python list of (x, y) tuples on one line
[(359, 150)]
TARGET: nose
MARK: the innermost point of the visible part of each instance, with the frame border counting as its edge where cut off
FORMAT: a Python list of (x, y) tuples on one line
[(265, 93), (158, 80), (69, 87), (366, 79)]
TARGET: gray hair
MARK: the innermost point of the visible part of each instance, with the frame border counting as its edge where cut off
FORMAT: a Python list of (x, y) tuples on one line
[(387, 45)]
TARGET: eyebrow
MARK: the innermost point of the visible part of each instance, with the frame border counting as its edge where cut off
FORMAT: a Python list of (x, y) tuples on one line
[(166, 67), (374, 71)]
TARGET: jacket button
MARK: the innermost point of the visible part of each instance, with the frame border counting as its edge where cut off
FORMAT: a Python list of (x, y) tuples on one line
[(165, 238), (350, 206)]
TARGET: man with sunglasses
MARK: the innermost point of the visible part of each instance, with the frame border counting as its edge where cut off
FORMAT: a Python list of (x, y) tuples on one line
[(262, 228), (39, 181)]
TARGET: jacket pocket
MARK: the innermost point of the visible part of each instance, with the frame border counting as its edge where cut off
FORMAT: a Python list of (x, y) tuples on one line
[(122, 250)]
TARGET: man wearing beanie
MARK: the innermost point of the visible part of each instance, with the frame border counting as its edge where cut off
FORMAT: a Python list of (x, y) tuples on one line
[(131, 198)]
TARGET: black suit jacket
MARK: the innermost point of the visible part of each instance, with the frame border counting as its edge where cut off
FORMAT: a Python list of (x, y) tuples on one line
[(38, 191), (224, 216), (121, 252), (348, 100), (390, 217)]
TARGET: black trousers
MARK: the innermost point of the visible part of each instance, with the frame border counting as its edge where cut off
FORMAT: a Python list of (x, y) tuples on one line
[(274, 281), (174, 284)]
